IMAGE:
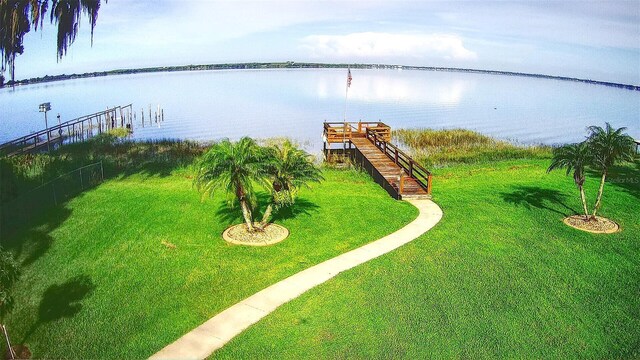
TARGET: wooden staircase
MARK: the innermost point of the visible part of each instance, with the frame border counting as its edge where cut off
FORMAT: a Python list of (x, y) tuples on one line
[(408, 188), (393, 169)]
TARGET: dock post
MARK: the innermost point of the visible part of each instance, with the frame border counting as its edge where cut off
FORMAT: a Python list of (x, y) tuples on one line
[(48, 133)]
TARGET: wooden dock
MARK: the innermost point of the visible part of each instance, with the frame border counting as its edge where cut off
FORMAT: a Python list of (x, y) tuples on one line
[(78, 129), (368, 145)]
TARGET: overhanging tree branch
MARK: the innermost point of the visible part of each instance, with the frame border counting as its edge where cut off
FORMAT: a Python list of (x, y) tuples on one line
[(17, 17)]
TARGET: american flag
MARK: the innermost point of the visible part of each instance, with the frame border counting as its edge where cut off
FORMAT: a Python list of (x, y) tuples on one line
[(349, 78)]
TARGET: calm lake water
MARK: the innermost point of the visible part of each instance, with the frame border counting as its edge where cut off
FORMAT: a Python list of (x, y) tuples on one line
[(210, 105)]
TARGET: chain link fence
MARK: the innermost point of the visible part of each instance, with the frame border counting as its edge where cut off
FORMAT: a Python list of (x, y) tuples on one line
[(27, 206)]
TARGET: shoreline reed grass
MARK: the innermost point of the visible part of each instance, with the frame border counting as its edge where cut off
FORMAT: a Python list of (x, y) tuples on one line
[(443, 148)]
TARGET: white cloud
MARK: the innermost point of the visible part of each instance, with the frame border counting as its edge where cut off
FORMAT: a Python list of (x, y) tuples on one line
[(528, 36), (376, 45)]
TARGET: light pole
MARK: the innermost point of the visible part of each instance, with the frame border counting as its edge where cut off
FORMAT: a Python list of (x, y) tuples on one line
[(44, 107)]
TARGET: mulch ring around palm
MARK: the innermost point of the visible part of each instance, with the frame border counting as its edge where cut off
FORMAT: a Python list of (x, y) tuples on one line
[(239, 235), (599, 225), (21, 351)]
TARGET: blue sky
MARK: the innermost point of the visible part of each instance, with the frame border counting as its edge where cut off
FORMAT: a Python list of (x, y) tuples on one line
[(587, 39)]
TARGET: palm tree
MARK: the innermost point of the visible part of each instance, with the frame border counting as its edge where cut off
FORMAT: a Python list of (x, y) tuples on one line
[(573, 157), (233, 167), (288, 168), (609, 146)]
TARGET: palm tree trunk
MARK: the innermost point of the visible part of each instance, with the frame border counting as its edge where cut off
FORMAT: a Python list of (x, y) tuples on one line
[(246, 213), (12, 353), (584, 203), (266, 216), (595, 208)]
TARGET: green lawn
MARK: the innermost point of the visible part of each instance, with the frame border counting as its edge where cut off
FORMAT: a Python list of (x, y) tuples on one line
[(499, 277), (97, 282)]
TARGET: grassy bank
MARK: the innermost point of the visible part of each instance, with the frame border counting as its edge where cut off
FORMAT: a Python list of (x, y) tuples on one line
[(499, 277), (33, 183), (439, 148), (22, 173), (125, 268)]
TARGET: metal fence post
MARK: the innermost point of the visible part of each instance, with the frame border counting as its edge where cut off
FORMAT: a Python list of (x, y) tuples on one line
[(53, 187)]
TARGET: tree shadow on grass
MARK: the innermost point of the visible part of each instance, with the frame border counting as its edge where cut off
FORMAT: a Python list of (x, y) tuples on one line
[(31, 242), (229, 214), (30, 211), (625, 177), (62, 301), (34, 245), (233, 215), (302, 206), (539, 198)]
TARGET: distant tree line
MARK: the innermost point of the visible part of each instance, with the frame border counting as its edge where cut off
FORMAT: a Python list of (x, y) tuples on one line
[(296, 65)]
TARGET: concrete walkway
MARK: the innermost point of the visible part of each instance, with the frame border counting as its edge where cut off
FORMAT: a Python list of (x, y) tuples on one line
[(220, 329)]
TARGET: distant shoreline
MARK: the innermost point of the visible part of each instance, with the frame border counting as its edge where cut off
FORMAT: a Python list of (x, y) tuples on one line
[(296, 65)]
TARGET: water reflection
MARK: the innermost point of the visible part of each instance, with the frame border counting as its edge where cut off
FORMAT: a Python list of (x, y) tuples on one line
[(265, 103), (401, 86)]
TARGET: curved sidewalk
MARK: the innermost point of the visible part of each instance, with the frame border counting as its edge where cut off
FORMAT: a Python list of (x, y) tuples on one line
[(220, 329)]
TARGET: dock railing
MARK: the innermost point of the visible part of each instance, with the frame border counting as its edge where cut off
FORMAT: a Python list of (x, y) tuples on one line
[(415, 171), (342, 132)]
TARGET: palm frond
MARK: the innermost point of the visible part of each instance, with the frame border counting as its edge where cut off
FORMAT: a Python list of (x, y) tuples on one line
[(610, 145), (572, 157)]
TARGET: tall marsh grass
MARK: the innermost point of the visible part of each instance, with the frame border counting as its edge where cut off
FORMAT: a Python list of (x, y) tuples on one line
[(440, 148)]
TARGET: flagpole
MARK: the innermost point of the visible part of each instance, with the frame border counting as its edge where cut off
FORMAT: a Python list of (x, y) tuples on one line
[(344, 117), (346, 95)]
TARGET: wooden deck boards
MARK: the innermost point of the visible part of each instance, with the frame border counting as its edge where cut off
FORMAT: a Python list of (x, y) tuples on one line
[(388, 169)]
